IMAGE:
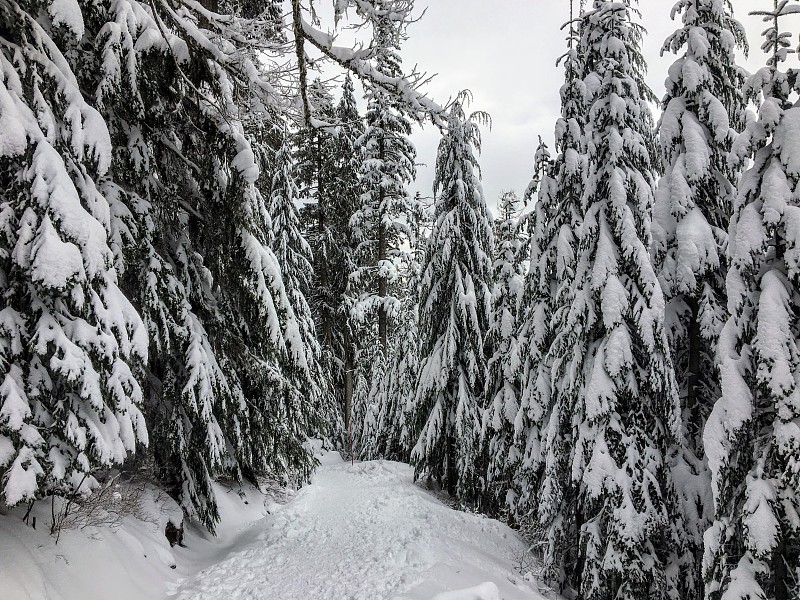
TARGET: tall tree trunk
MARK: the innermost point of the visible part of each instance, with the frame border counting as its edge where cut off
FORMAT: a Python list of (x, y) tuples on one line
[(781, 577), (300, 53), (580, 556), (452, 471), (693, 368), (383, 284), (320, 267), (349, 366), (780, 574)]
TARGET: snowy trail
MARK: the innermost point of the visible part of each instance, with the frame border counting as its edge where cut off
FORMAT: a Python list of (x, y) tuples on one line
[(366, 532)]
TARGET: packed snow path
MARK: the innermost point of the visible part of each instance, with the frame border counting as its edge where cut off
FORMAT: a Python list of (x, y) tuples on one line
[(366, 532)]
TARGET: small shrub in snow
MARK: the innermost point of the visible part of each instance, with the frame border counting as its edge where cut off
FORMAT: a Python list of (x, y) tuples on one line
[(105, 506)]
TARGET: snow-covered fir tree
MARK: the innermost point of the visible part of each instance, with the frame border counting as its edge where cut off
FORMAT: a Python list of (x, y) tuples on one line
[(71, 344), (455, 300), (382, 223), (752, 437), (504, 226), (325, 171), (616, 390), (187, 172), (382, 228), (381, 417), (703, 109), (502, 385), (305, 378), (316, 174), (532, 338), (404, 87), (385, 415), (543, 426), (346, 203)]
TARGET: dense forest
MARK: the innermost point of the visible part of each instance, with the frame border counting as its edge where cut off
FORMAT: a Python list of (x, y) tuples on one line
[(210, 256)]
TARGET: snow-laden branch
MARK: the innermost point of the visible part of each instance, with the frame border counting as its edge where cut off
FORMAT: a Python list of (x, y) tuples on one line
[(355, 60)]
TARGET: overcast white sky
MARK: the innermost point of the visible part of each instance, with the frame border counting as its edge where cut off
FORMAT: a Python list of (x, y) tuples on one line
[(505, 52)]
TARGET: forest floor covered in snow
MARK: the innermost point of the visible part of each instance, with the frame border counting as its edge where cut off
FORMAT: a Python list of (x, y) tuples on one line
[(360, 532)]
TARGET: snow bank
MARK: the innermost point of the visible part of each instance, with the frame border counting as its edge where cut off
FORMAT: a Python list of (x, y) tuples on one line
[(133, 561), (485, 591)]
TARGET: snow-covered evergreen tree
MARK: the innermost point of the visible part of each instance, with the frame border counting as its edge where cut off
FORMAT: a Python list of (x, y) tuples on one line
[(703, 109), (502, 385), (354, 338), (752, 437), (327, 167), (382, 223), (316, 177), (616, 386), (304, 375), (394, 430), (532, 338), (383, 230), (385, 415), (455, 301), (543, 426), (71, 343)]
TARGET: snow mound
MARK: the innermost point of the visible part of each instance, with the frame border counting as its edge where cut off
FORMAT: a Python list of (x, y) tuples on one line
[(130, 561), (485, 591)]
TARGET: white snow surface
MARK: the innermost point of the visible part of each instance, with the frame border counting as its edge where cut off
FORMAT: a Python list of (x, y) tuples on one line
[(367, 532), (360, 532), (130, 562)]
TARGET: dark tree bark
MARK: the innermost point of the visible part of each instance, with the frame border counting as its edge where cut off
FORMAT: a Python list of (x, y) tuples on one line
[(383, 284), (349, 366), (779, 573), (694, 363)]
